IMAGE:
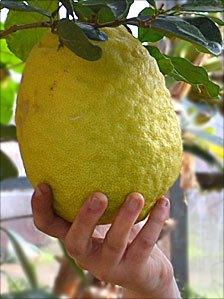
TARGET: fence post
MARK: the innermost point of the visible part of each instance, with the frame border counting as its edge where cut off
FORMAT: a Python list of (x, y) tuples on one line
[(179, 236)]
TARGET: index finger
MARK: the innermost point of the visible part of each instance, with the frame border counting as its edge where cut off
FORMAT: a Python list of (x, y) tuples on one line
[(44, 216)]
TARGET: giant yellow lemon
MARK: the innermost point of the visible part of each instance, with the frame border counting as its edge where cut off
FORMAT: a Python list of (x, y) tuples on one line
[(106, 125)]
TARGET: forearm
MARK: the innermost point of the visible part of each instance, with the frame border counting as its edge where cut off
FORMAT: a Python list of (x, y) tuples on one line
[(166, 292)]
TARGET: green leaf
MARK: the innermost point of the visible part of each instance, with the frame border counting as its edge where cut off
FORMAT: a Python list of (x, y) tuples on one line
[(119, 8), (30, 294), (175, 26), (83, 12), (92, 33), (207, 27), (7, 59), (105, 15), (8, 89), (72, 36), (203, 6), (7, 167), (24, 261), (22, 41), (22, 6), (202, 154), (164, 63), (152, 2), (185, 71), (147, 34), (7, 133), (216, 20)]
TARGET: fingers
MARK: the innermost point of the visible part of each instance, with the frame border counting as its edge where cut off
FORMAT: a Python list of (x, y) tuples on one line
[(144, 242), (78, 240), (44, 216), (117, 237)]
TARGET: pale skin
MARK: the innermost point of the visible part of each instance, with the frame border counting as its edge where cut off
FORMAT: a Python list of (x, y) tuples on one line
[(127, 255)]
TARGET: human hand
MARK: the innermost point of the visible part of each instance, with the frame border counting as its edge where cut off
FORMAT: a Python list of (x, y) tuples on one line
[(139, 265)]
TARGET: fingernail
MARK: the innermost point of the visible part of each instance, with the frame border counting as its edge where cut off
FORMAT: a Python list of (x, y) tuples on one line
[(37, 192), (135, 202), (97, 202), (163, 202)]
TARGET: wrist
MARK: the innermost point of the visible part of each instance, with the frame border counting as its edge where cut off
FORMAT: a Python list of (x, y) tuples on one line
[(167, 290)]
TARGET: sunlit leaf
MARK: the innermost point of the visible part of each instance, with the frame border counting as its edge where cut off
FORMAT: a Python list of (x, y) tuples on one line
[(184, 70), (22, 41), (8, 89), (164, 63)]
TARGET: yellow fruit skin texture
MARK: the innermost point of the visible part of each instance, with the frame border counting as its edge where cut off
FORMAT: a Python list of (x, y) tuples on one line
[(107, 125)]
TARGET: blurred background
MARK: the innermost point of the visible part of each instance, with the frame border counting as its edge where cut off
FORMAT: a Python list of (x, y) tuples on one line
[(192, 237)]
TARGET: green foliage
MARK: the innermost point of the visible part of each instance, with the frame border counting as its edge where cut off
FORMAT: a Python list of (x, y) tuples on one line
[(21, 42), (72, 35), (203, 5), (8, 89), (182, 69), (7, 133), (173, 26), (23, 259), (7, 59), (148, 34), (8, 169), (22, 6)]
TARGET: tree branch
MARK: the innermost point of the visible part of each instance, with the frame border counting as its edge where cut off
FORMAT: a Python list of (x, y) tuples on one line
[(132, 21), (14, 28)]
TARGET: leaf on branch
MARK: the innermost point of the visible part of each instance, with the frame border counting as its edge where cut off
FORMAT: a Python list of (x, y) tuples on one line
[(207, 27), (72, 36), (119, 9), (84, 13), (185, 71), (203, 6), (22, 6), (175, 26), (21, 42), (148, 34), (7, 168), (7, 59), (182, 69), (92, 33), (164, 63), (105, 15)]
